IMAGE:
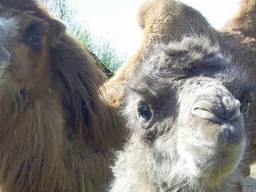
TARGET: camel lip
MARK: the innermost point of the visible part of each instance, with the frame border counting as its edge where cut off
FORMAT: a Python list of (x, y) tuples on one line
[(230, 140), (211, 160), (224, 159), (230, 136), (216, 148)]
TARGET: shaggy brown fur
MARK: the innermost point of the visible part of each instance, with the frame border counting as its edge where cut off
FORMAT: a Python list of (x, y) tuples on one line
[(166, 20), (56, 133)]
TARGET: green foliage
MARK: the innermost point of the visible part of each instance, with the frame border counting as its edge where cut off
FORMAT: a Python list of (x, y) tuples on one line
[(83, 36), (108, 55), (103, 50)]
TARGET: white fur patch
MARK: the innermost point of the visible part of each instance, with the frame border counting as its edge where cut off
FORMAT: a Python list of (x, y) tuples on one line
[(8, 28)]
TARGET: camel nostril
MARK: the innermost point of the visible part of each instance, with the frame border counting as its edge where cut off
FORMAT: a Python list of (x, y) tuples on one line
[(204, 109), (217, 111)]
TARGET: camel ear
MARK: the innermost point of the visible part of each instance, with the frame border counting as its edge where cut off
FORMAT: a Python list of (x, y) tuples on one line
[(57, 31), (144, 13)]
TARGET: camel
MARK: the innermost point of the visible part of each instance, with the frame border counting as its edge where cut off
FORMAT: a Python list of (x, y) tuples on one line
[(168, 20), (56, 132), (185, 109)]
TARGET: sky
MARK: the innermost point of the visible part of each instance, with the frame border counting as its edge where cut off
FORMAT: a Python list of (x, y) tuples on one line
[(116, 20)]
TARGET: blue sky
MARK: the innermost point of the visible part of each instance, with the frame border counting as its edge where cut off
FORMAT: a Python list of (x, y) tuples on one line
[(116, 20)]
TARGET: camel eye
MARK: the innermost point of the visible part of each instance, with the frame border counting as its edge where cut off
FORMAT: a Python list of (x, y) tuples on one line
[(34, 36), (144, 112)]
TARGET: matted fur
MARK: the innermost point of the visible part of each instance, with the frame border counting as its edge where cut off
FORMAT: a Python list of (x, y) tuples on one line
[(166, 20), (60, 137)]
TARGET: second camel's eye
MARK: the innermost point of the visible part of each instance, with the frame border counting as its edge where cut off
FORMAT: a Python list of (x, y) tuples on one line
[(144, 112)]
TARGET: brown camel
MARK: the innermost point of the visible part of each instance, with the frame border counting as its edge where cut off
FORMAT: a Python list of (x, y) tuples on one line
[(56, 133)]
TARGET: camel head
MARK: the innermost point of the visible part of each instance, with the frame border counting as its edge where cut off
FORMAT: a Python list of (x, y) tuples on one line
[(186, 104), (25, 44)]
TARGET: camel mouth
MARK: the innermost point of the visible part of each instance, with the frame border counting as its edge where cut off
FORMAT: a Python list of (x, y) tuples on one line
[(222, 155), (217, 156), (213, 165), (229, 139), (220, 165)]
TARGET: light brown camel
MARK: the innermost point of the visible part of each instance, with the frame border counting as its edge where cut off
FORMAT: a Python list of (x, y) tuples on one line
[(56, 133)]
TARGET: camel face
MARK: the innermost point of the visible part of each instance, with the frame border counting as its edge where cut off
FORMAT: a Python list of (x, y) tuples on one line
[(210, 133), (22, 38), (186, 105), (25, 44)]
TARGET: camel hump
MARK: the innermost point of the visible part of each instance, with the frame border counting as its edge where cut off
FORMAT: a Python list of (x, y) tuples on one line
[(244, 21), (171, 20)]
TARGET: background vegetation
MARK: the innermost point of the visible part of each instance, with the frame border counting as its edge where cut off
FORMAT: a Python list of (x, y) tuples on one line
[(65, 11)]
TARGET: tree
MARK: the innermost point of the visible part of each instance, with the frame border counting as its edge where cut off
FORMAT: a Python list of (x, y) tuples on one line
[(65, 11)]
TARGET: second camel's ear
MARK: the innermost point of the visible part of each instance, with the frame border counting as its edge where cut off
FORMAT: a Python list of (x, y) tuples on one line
[(57, 31), (143, 11)]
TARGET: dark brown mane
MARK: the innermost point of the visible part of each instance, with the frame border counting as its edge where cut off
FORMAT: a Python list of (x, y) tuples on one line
[(77, 77), (87, 130)]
